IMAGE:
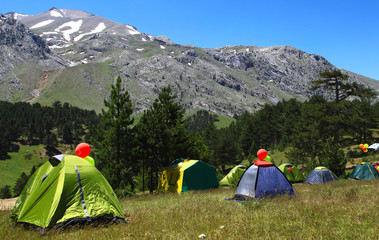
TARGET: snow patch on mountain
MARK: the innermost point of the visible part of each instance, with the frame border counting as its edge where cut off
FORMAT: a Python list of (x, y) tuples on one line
[(132, 30), (55, 13), (19, 15), (69, 28), (47, 33), (98, 29), (57, 47), (42, 24)]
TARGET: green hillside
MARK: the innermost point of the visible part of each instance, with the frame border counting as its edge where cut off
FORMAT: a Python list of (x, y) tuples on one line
[(28, 73), (85, 86), (21, 161)]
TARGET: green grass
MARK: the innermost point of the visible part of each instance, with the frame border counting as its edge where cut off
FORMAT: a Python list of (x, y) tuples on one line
[(224, 122), (340, 210), (12, 168), (278, 157), (375, 133)]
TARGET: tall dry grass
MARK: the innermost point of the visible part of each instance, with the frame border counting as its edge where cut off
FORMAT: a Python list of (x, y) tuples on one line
[(342, 210)]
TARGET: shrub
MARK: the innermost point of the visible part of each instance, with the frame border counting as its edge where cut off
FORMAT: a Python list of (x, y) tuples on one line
[(5, 192)]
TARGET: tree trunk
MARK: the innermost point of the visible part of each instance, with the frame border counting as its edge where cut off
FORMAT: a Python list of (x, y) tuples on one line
[(151, 179), (143, 175)]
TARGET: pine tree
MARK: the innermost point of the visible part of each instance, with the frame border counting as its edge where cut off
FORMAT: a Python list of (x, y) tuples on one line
[(50, 140), (20, 184), (334, 159), (5, 192), (114, 139), (162, 135), (336, 81), (226, 150), (67, 134), (311, 133), (246, 137), (362, 119)]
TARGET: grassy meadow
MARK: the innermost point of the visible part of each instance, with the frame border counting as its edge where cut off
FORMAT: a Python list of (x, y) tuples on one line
[(21, 161), (347, 209)]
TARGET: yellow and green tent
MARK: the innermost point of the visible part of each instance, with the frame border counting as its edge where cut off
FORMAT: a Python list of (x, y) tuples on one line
[(66, 189), (187, 175)]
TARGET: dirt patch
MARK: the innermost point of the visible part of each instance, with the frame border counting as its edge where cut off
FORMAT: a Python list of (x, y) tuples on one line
[(41, 84), (7, 204)]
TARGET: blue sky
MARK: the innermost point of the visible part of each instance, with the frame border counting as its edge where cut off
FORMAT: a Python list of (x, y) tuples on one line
[(345, 32)]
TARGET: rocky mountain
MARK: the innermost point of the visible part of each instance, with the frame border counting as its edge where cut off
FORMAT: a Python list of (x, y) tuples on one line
[(21, 47), (80, 56)]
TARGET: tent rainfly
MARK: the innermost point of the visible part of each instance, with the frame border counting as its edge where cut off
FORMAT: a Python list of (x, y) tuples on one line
[(236, 171), (321, 175), (184, 175), (291, 172), (64, 190), (364, 171), (262, 179)]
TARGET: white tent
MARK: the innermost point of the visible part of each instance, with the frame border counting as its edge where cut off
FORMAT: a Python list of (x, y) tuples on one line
[(374, 146)]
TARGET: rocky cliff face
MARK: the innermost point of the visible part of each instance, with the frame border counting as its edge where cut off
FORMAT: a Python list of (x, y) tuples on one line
[(94, 51), (19, 45)]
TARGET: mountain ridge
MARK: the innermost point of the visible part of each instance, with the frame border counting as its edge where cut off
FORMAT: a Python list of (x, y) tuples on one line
[(226, 80)]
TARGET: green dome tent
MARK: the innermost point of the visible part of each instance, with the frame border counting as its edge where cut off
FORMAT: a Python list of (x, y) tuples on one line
[(187, 175), (291, 172), (364, 171), (66, 189), (237, 171)]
